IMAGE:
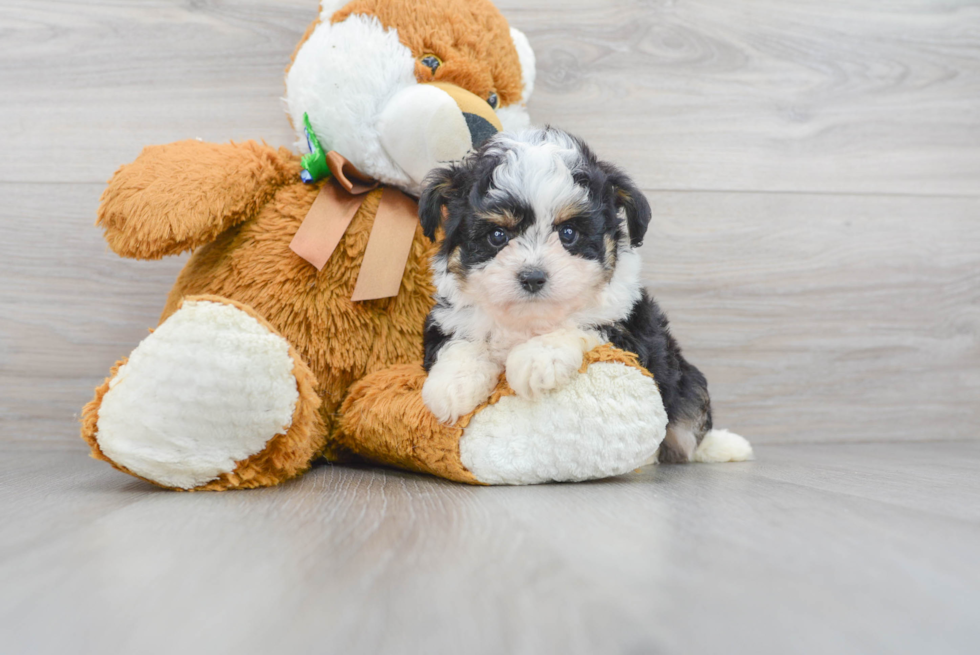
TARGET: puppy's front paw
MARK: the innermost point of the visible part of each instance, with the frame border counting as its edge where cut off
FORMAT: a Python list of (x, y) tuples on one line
[(461, 379), (547, 362)]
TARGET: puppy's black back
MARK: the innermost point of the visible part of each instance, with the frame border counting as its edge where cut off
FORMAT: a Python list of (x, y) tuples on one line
[(683, 387)]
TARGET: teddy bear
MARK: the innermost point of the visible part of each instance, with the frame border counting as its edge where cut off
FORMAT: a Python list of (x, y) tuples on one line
[(294, 331)]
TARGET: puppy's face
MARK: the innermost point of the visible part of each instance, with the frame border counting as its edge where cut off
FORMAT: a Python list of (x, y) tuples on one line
[(534, 226)]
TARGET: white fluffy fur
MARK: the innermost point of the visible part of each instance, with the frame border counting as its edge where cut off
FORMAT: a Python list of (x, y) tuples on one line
[(421, 128), (723, 446), (526, 56), (682, 439), (348, 74), (561, 425), (489, 306), (343, 77), (538, 166), (465, 377), (329, 7), (547, 362), (206, 389), (573, 434), (514, 117), (470, 318)]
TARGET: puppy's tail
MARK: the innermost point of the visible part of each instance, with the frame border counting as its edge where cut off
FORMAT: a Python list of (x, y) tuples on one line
[(723, 446)]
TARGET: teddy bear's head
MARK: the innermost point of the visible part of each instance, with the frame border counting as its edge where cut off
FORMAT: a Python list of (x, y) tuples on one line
[(399, 87)]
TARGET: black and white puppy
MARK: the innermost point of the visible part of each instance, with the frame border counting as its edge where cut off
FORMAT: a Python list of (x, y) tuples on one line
[(537, 266)]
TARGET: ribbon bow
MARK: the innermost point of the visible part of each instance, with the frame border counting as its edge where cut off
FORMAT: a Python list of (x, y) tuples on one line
[(391, 236)]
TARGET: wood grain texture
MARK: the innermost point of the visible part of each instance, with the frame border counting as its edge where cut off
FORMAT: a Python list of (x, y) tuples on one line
[(787, 95), (825, 317), (813, 169), (816, 318), (811, 549), (71, 308), (813, 172), (755, 95)]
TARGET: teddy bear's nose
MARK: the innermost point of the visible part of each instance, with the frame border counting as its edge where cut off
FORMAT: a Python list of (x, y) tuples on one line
[(424, 126), (481, 119), (480, 129)]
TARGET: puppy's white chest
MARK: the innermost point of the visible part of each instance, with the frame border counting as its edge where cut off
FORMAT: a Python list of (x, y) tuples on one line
[(502, 340)]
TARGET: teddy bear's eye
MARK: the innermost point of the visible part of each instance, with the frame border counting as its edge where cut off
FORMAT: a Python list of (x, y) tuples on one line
[(431, 62), (493, 100)]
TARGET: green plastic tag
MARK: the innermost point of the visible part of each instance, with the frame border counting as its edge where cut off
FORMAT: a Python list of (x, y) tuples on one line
[(314, 164)]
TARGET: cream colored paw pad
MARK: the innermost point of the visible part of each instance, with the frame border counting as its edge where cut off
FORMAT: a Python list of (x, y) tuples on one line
[(209, 388), (608, 421)]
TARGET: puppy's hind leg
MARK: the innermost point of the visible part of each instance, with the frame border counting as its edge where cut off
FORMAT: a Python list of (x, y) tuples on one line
[(723, 446), (692, 438), (682, 444)]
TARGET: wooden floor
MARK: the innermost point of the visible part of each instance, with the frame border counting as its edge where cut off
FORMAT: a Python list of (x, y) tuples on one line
[(859, 548), (814, 169)]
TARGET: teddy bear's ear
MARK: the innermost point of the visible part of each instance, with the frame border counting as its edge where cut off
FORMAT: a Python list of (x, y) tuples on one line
[(526, 56), (630, 200), (436, 189), (329, 7)]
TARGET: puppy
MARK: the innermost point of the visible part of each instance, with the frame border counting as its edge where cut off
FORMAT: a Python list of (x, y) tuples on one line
[(537, 266)]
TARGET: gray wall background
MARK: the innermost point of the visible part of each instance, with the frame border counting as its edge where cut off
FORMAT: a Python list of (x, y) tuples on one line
[(814, 169)]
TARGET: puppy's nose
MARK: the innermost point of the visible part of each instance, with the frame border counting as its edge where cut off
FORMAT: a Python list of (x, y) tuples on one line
[(532, 279)]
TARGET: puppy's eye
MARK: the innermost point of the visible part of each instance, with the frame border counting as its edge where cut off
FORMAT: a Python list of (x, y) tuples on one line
[(498, 238), (431, 62), (493, 100), (567, 234)]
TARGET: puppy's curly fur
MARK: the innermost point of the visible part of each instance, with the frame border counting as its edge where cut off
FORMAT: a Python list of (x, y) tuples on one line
[(538, 264)]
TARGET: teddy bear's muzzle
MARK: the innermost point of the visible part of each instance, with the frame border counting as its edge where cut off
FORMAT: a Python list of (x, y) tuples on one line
[(429, 125)]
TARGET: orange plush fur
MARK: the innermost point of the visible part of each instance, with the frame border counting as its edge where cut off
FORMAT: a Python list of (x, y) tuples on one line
[(238, 206), (285, 456), (385, 419), (470, 37)]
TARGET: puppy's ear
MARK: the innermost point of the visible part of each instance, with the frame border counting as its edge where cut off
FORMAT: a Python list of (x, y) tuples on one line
[(436, 189), (632, 201)]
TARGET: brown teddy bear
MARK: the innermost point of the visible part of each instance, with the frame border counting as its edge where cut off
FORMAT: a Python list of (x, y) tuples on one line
[(295, 329)]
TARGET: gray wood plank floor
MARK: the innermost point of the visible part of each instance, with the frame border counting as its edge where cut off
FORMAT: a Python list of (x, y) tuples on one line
[(857, 548), (813, 168)]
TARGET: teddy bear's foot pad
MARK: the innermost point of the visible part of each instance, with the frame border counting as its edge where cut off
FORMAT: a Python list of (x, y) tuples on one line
[(610, 420), (607, 421), (206, 390)]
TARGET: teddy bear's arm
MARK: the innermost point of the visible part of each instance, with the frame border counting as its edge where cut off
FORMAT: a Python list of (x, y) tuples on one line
[(182, 195)]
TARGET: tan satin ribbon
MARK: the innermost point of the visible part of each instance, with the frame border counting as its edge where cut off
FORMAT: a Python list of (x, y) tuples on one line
[(391, 236)]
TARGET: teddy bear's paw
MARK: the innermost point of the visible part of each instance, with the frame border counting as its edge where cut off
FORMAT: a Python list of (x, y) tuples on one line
[(462, 378), (606, 421), (547, 362), (207, 390)]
